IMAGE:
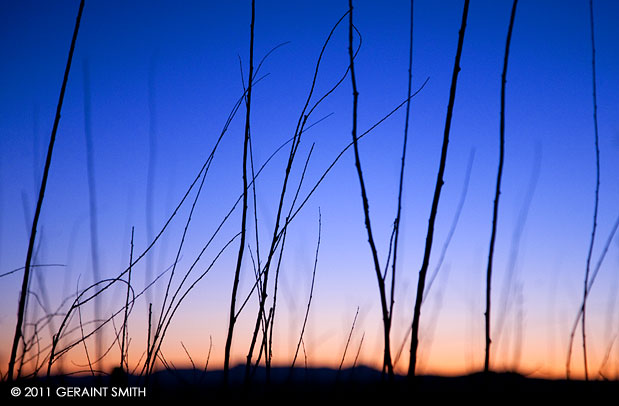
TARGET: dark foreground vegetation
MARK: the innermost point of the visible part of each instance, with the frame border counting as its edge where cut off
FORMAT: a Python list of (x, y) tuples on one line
[(324, 384), (258, 379)]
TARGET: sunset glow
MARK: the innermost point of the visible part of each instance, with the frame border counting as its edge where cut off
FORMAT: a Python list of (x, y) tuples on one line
[(152, 84)]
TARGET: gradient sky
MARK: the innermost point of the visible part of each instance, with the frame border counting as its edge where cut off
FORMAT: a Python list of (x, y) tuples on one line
[(170, 72)]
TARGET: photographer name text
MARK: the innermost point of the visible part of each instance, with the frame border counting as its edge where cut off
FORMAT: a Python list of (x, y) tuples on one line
[(80, 392)]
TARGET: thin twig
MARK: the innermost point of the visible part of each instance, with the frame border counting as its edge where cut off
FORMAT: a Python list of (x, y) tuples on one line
[(31, 266), (193, 365), (22, 300), (292, 205), (387, 364), (202, 174), (309, 301), (78, 303), (454, 224), (597, 194), (437, 194), (79, 312), (343, 151), (237, 272), (277, 232), (271, 319), (122, 348), (495, 210), (354, 364), (591, 281), (184, 295), (439, 264), (150, 317), (396, 223), (208, 358), (506, 298), (607, 357), (304, 355), (352, 328)]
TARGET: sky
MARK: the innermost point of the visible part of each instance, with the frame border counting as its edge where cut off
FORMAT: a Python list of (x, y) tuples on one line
[(161, 79)]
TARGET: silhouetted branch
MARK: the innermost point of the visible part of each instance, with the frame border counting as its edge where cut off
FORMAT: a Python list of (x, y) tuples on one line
[(184, 295), (515, 246), (454, 224), (22, 300), (237, 272), (366, 208), (124, 329), (193, 365), (439, 264), (202, 174), (354, 364), (337, 158), (495, 211), (597, 194), (78, 303), (31, 266), (396, 223), (591, 281), (437, 194), (208, 358), (309, 300), (277, 231), (352, 328), (607, 357)]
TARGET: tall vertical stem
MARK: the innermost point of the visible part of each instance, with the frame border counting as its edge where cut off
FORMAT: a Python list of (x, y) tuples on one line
[(495, 210), (24, 289), (597, 194), (396, 224), (387, 363), (239, 260), (437, 194)]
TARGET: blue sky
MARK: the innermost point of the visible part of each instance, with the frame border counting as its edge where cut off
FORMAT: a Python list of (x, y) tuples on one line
[(185, 57)]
